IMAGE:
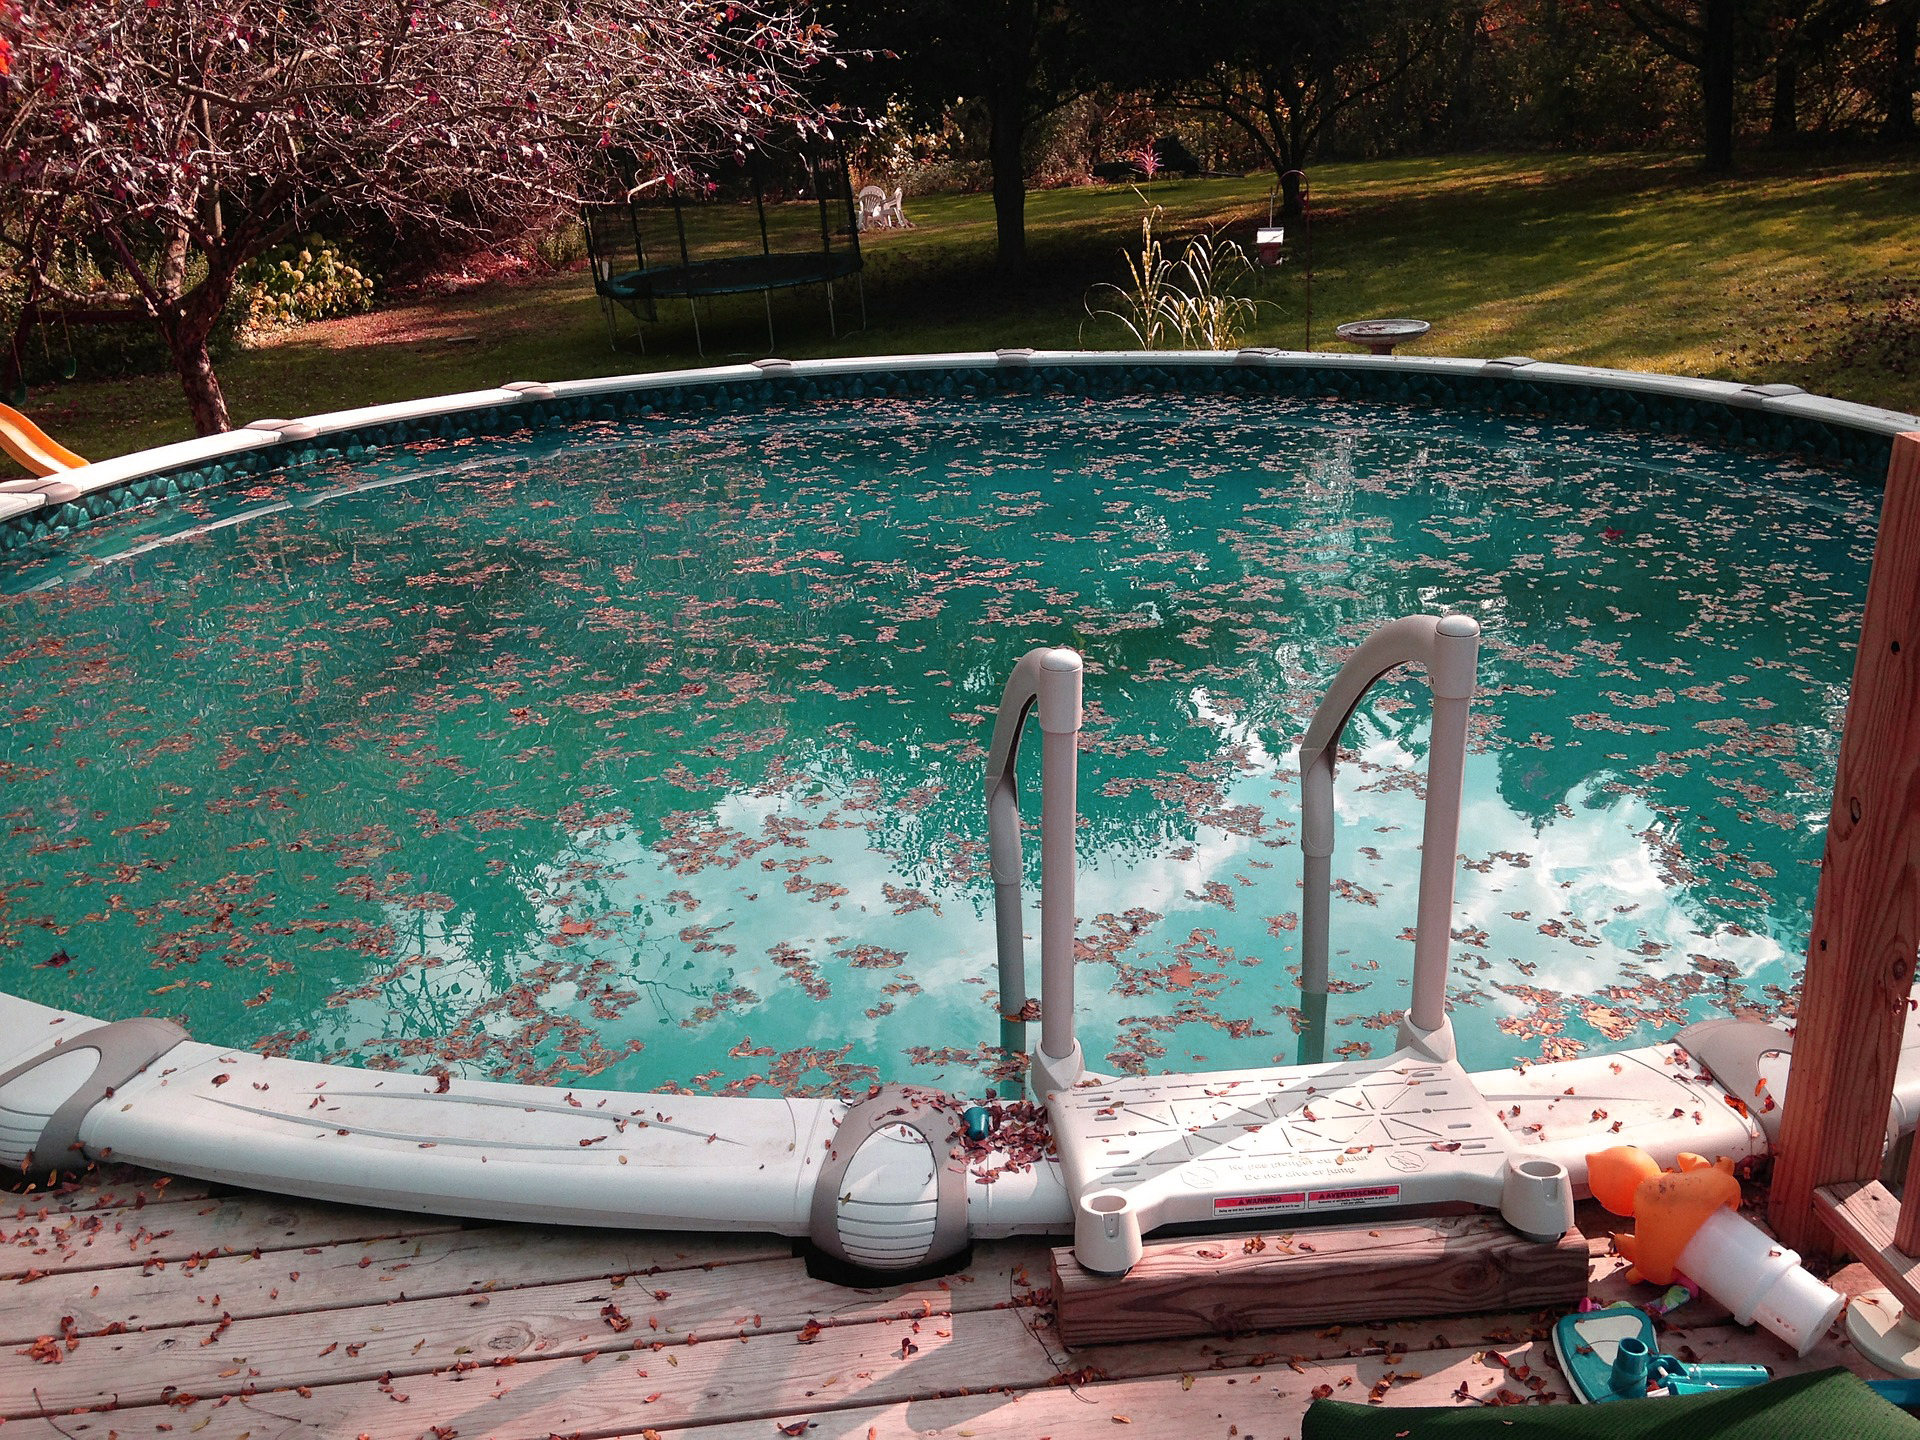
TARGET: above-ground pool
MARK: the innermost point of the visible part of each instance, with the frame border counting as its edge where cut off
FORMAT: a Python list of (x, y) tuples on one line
[(649, 746)]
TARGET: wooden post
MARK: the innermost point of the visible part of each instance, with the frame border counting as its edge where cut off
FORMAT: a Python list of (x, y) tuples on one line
[(1866, 917), (1906, 1235), (1229, 1284)]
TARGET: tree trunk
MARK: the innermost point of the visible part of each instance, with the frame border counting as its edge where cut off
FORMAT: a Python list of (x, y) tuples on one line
[(194, 366), (1717, 82), (1783, 122), (1291, 208), (1463, 120), (1325, 89), (189, 322), (1900, 87), (1008, 100), (1005, 148), (187, 329)]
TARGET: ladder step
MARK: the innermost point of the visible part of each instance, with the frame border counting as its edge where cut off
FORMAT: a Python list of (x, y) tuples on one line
[(1319, 1140)]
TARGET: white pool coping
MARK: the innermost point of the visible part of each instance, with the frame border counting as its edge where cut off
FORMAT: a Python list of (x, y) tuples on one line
[(21, 498)]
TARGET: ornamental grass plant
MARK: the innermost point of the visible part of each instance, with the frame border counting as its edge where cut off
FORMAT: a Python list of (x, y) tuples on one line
[(1192, 303)]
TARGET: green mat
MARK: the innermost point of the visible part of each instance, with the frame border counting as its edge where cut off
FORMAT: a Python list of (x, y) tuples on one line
[(1825, 1403)]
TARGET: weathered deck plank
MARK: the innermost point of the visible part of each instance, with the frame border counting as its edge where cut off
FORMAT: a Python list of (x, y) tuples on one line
[(763, 1374), (109, 1187), (178, 1230), (1247, 1406), (440, 1297), (855, 1377), (412, 1337), (615, 1391), (1265, 1405), (495, 1257)]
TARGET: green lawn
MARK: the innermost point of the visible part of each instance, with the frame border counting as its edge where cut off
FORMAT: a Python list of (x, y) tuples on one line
[(1801, 269)]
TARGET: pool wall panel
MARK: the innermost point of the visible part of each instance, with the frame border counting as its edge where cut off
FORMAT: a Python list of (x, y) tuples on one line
[(1764, 417)]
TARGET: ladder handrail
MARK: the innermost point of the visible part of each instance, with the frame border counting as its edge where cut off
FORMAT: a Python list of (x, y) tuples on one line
[(1052, 680), (1449, 646)]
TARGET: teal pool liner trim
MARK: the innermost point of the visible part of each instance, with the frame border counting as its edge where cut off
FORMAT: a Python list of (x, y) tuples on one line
[(1775, 418)]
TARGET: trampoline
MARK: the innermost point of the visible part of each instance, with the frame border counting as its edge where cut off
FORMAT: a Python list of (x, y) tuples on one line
[(794, 241)]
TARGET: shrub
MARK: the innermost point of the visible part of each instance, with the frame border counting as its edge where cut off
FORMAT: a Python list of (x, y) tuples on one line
[(562, 245), (304, 280), (1060, 147)]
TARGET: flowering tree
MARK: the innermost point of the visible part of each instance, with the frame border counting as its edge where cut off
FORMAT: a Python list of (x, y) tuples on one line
[(174, 140)]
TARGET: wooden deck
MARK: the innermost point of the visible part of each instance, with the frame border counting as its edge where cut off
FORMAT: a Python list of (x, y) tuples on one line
[(135, 1306)]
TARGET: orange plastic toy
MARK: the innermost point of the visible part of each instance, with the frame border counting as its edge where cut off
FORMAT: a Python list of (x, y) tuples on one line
[(1667, 1206), (1690, 1219)]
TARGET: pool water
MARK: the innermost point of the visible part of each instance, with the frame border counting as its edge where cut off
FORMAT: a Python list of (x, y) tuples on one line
[(652, 752)]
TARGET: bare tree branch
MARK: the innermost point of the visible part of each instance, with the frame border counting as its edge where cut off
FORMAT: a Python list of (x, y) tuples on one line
[(215, 128)]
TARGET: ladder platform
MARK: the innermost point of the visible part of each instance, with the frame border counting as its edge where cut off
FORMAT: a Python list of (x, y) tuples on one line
[(1396, 1132), (1226, 1139)]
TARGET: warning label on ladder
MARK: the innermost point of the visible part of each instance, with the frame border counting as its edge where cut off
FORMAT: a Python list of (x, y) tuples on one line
[(1305, 1199)]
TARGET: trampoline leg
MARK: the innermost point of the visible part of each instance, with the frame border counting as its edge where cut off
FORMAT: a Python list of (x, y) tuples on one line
[(767, 297), (606, 314), (832, 328), (860, 283), (693, 309)]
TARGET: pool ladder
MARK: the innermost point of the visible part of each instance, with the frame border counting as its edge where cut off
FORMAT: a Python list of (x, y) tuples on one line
[(1408, 1130)]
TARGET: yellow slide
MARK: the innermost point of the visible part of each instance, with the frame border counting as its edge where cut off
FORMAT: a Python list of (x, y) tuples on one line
[(27, 443)]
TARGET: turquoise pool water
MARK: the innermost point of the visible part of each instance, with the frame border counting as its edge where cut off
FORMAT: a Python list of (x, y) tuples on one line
[(652, 752)]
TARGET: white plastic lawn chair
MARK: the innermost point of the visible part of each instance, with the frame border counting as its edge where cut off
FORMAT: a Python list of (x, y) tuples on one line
[(892, 214), (873, 207)]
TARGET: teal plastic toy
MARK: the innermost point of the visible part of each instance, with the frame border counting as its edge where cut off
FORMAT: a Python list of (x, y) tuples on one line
[(1612, 1355)]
